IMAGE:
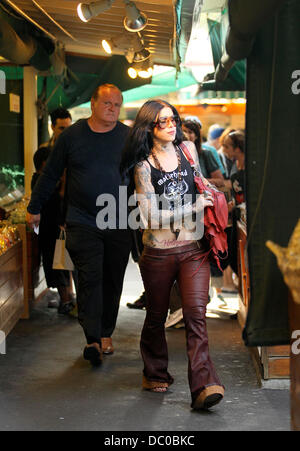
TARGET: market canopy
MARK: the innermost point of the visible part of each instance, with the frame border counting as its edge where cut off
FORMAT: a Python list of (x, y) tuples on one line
[(160, 85)]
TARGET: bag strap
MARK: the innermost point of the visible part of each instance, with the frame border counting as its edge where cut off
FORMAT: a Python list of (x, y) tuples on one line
[(62, 234), (197, 176), (186, 152)]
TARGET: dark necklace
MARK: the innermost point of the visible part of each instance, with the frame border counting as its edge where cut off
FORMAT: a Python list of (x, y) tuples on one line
[(159, 167), (177, 196)]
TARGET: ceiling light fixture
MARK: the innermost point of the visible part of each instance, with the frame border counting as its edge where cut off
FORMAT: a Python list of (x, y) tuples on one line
[(118, 43), (86, 11), (143, 69), (132, 46), (135, 20)]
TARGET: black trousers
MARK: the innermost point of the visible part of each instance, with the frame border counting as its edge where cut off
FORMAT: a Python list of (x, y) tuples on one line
[(100, 257)]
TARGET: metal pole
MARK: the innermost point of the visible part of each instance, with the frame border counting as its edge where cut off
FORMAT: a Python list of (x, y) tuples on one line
[(30, 123)]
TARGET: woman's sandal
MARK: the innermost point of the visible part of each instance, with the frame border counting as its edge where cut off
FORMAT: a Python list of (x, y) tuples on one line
[(155, 386), (209, 397)]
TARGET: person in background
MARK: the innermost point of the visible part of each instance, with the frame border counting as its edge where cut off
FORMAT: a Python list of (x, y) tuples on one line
[(205, 145), (49, 229), (213, 136), (60, 120), (90, 150), (156, 164), (228, 156), (238, 189), (209, 167), (238, 178)]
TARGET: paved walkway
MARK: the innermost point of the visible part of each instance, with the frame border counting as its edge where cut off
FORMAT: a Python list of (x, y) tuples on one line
[(45, 385)]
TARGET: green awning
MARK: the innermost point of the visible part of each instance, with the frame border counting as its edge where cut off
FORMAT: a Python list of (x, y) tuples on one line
[(160, 85), (236, 79)]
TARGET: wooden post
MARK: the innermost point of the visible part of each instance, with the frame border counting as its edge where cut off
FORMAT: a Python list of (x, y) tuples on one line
[(294, 314), (30, 123)]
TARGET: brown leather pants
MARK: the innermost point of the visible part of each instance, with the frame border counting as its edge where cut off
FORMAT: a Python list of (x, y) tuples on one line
[(159, 269)]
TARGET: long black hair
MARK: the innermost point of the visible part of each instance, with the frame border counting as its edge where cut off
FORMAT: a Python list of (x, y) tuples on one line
[(139, 143)]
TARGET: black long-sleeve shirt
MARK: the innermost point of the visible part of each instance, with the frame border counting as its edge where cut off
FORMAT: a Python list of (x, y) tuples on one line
[(92, 161)]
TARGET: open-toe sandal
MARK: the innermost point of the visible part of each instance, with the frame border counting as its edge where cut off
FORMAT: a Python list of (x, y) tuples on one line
[(155, 386)]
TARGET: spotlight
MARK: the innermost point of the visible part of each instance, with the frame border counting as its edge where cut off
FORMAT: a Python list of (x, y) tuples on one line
[(142, 69), (119, 42), (135, 20), (146, 73), (132, 45), (107, 46), (132, 72), (86, 11)]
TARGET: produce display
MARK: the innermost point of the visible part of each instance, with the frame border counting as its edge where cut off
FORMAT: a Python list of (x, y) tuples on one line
[(10, 215), (8, 236)]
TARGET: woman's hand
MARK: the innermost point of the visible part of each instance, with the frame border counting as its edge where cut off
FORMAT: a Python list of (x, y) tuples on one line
[(202, 201), (208, 200)]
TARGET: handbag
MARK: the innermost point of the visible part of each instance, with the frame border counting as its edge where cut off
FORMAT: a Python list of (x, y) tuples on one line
[(215, 216), (62, 259)]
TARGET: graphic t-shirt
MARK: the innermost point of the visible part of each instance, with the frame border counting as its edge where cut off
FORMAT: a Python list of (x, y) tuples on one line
[(171, 192), (238, 186)]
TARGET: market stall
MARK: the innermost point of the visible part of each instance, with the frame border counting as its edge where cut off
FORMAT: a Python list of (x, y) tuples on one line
[(11, 278), (21, 274), (272, 361)]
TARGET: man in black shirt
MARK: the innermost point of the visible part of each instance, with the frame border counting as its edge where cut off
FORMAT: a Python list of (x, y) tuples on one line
[(90, 150)]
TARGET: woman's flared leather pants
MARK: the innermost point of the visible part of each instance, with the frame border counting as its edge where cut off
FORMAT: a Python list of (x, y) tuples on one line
[(159, 269)]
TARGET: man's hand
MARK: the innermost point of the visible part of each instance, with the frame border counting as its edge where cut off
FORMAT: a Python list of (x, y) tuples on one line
[(33, 220)]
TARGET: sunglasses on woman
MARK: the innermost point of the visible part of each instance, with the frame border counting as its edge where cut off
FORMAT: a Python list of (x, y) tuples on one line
[(164, 121)]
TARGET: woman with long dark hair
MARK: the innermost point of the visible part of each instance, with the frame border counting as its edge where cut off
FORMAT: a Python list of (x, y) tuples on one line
[(155, 160), (210, 163)]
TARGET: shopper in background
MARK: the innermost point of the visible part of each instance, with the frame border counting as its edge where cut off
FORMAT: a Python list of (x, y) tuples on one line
[(60, 120), (49, 230), (228, 157), (238, 189), (210, 168), (205, 145), (213, 136), (238, 178)]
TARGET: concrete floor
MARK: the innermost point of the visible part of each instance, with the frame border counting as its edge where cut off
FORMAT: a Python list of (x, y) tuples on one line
[(45, 385)]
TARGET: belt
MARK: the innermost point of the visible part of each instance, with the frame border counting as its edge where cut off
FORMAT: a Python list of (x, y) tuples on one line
[(173, 250)]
